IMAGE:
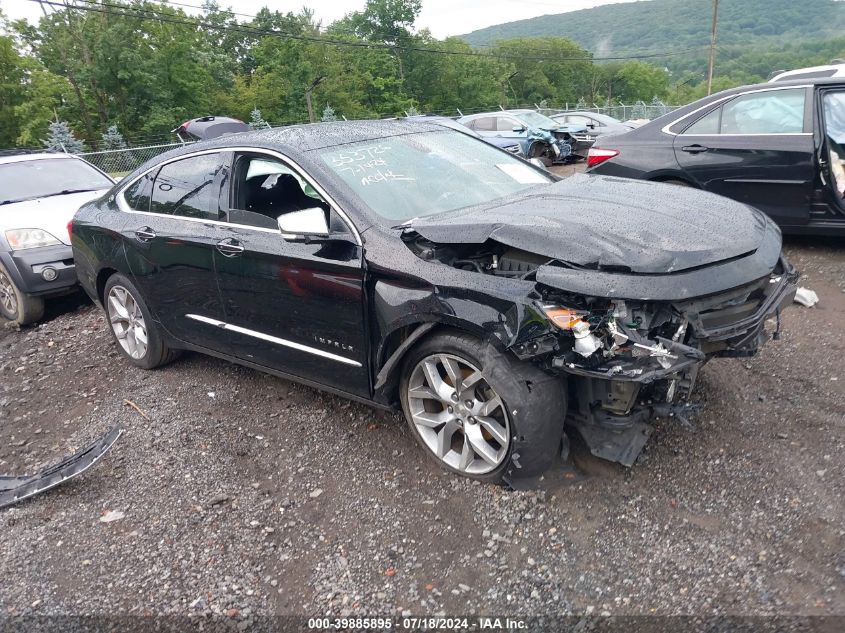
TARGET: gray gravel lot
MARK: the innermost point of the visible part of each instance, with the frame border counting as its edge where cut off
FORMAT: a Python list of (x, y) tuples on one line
[(246, 495)]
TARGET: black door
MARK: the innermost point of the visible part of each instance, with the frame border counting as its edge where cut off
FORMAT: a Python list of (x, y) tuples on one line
[(291, 303), (756, 148), (170, 242)]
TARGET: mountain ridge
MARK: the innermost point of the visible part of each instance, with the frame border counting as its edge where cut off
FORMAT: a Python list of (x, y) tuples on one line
[(655, 25)]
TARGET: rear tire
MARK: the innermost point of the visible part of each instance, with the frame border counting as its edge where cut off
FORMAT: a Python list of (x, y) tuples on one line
[(503, 420), (16, 305), (134, 330)]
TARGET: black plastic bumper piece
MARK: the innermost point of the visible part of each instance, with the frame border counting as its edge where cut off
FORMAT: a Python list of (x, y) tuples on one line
[(14, 489), (26, 267)]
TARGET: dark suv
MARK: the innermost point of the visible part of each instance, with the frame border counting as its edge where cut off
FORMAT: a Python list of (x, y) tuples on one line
[(407, 264), (777, 146)]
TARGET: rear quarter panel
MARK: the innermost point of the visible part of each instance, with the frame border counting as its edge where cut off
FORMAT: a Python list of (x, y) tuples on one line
[(97, 243), (643, 154)]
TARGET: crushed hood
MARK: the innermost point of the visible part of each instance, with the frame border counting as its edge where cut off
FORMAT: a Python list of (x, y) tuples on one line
[(608, 223)]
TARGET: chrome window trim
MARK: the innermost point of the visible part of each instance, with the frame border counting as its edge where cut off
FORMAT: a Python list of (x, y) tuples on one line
[(273, 339), (665, 128), (124, 206)]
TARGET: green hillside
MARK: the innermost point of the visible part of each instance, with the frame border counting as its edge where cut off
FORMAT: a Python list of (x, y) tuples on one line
[(657, 25)]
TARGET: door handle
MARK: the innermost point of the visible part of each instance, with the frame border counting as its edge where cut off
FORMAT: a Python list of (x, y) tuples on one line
[(694, 149), (145, 234), (230, 247)]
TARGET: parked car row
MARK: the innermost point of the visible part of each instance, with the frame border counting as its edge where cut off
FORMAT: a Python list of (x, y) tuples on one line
[(408, 264)]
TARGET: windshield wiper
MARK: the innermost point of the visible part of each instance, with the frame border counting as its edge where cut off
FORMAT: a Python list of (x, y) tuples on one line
[(63, 192)]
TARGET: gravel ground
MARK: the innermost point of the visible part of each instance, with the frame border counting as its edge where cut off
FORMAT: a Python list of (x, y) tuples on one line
[(245, 495)]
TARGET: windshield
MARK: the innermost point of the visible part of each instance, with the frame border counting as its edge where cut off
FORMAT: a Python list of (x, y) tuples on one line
[(30, 179), (415, 175), (535, 119), (603, 118)]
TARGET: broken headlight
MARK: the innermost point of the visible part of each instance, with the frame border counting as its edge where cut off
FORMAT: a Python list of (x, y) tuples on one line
[(574, 321)]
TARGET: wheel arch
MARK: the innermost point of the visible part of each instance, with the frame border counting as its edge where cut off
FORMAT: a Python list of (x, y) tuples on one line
[(672, 176), (403, 338), (103, 276)]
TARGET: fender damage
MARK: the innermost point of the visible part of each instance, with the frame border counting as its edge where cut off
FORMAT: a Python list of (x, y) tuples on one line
[(626, 310)]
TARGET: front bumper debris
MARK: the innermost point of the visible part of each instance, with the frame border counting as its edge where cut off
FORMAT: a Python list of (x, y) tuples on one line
[(619, 395), (18, 488)]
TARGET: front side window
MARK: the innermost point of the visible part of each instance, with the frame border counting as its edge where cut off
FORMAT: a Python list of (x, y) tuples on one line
[(505, 124), (834, 121), (416, 175), (45, 177), (578, 120), (266, 188), (186, 188)]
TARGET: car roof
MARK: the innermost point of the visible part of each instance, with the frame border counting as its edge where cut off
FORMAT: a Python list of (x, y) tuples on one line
[(811, 72), (774, 85), (297, 141), (23, 157), (315, 136)]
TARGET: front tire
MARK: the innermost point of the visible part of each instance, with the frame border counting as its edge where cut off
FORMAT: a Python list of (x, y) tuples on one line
[(134, 330), (480, 413), (16, 305)]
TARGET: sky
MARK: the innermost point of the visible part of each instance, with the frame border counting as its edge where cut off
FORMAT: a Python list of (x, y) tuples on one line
[(442, 17)]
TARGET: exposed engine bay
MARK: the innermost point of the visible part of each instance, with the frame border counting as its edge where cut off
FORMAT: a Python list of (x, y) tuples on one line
[(626, 360)]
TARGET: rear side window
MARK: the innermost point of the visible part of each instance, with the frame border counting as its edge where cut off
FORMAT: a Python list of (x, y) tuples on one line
[(773, 112), (485, 124), (768, 112), (708, 124), (186, 188), (138, 195)]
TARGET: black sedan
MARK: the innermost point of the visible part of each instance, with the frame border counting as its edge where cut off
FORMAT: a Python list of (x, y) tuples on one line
[(406, 264), (778, 147)]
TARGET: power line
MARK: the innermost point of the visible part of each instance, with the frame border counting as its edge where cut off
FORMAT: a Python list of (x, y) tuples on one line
[(144, 14)]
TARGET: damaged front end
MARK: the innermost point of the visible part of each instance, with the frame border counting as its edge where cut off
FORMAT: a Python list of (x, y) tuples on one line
[(632, 360), (633, 354)]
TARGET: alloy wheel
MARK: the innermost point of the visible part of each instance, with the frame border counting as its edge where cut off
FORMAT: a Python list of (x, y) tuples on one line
[(127, 321), (459, 417), (8, 298)]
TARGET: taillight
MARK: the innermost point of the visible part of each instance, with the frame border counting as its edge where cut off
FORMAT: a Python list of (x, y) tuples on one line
[(70, 229), (597, 155)]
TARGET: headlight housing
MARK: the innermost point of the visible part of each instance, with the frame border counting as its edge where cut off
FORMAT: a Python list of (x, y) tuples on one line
[(20, 239)]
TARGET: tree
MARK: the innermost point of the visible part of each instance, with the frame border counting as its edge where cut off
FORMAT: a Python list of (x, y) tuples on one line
[(60, 138), (112, 139), (256, 121), (328, 114), (12, 90)]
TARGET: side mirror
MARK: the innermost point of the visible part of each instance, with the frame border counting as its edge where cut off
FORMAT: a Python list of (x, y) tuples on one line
[(311, 221), (518, 129)]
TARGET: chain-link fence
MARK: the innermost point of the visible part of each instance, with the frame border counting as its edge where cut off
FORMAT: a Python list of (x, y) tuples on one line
[(119, 162)]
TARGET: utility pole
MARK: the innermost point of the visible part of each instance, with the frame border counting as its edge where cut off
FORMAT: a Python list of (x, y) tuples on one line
[(308, 91), (712, 47)]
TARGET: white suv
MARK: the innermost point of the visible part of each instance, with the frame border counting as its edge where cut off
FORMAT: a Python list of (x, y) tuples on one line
[(39, 193)]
